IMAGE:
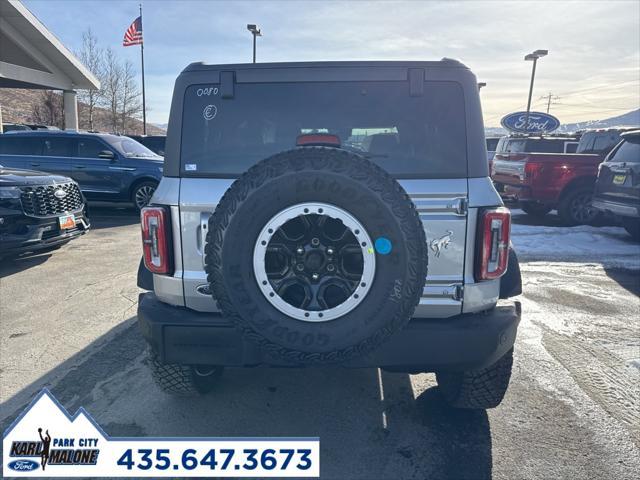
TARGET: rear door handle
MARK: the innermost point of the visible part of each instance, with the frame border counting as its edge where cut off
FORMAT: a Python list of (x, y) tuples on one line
[(79, 166), (35, 164)]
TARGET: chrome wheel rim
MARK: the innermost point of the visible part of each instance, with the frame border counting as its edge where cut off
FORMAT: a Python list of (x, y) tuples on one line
[(143, 195), (314, 262)]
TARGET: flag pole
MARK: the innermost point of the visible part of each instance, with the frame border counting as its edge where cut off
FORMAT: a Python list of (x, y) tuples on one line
[(144, 107)]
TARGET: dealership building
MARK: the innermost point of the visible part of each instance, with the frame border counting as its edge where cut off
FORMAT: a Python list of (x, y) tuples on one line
[(31, 57)]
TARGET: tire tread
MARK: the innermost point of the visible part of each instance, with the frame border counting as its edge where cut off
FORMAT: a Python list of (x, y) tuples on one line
[(177, 379), (477, 389)]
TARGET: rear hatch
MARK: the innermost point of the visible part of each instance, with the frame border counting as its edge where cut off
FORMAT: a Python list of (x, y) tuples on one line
[(442, 207), (414, 129), (619, 177)]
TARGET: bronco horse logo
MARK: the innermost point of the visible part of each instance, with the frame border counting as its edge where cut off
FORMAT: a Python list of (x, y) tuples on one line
[(441, 243)]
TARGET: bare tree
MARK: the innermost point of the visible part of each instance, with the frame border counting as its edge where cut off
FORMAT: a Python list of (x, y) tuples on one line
[(130, 103), (92, 57), (112, 88), (49, 110)]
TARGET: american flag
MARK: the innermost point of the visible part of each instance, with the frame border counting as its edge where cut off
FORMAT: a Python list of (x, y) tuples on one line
[(133, 35)]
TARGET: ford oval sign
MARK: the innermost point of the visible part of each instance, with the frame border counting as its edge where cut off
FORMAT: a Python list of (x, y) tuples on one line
[(538, 122), (23, 465)]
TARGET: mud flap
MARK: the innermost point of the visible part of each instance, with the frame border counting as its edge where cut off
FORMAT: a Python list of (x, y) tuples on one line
[(145, 277), (511, 282)]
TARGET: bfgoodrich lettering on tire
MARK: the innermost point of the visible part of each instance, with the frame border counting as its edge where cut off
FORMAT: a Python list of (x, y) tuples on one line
[(330, 281)]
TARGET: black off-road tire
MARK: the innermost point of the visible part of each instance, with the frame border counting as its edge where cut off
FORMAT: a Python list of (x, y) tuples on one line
[(323, 175), (183, 380), (567, 207), (536, 210), (632, 226), (477, 389)]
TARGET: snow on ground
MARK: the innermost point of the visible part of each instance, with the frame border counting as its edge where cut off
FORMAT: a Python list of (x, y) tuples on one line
[(608, 245)]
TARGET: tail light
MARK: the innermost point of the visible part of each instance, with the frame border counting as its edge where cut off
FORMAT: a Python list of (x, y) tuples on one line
[(156, 239), (492, 254), (318, 140)]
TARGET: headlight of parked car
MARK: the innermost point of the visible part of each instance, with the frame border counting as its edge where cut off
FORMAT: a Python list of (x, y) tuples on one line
[(9, 192)]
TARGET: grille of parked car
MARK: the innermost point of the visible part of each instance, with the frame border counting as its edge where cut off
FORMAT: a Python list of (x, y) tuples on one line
[(47, 200)]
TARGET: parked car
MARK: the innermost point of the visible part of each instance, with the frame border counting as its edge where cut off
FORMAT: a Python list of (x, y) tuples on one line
[(155, 143), (299, 208), (39, 211), (10, 127), (542, 181), (492, 143), (618, 186), (107, 167)]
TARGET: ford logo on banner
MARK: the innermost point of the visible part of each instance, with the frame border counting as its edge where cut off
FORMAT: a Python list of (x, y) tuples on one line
[(23, 465), (538, 122)]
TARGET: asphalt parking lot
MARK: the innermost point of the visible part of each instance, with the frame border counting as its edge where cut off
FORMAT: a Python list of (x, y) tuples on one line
[(67, 321)]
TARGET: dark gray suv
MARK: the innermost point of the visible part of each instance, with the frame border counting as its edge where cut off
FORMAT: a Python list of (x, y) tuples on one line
[(329, 213), (107, 167)]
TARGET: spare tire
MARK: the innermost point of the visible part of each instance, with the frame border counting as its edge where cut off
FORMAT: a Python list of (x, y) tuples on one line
[(317, 255)]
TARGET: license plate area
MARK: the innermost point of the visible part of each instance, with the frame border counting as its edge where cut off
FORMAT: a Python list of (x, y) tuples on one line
[(619, 179), (67, 221)]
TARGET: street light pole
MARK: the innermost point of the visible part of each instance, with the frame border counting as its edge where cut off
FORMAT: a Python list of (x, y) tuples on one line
[(255, 31), (532, 56), (533, 76)]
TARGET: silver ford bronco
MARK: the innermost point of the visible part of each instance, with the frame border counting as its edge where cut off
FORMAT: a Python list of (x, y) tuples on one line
[(329, 213)]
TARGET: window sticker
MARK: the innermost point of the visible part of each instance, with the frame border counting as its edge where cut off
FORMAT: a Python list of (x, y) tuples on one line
[(210, 112)]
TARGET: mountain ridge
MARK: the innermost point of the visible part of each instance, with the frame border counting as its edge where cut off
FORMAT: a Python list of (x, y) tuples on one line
[(19, 105)]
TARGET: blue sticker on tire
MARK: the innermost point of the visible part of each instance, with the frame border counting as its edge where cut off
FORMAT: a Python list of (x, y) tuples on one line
[(383, 245)]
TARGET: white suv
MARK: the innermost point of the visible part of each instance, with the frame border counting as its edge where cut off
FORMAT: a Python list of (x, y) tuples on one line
[(342, 212)]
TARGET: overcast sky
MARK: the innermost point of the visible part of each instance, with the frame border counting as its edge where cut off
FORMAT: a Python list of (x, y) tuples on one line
[(593, 63)]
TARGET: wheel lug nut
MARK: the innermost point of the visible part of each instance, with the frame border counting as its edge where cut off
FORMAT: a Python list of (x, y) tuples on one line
[(300, 267), (315, 276), (300, 251), (330, 268), (329, 251), (315, 242)]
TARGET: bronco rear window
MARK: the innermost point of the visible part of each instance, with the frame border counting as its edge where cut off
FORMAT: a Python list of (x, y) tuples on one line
[(409, 136)]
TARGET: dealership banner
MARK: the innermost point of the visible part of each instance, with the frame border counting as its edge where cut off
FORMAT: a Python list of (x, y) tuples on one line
[(45, 441)]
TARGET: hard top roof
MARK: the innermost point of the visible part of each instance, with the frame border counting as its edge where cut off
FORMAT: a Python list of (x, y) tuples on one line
[(444, 63)]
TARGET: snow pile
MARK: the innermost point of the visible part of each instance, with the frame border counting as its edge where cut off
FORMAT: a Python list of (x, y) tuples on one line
[(605, 245)]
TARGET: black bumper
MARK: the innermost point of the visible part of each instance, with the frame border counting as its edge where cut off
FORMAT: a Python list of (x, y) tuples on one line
[(20, 233), (469, 341), (620, 208)]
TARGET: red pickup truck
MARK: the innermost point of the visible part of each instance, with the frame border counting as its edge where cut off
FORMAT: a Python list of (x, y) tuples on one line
[(524, 171)]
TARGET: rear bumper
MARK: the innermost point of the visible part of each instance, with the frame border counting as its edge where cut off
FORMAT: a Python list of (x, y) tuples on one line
[(469, 341), (622, 209)]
